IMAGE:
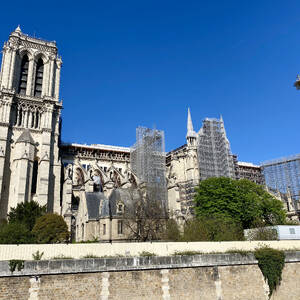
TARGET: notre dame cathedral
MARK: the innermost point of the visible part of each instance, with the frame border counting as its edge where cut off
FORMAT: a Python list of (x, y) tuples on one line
[(87, 184)]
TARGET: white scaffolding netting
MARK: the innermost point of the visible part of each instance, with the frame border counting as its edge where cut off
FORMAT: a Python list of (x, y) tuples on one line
[(214, 155), (148, 162)]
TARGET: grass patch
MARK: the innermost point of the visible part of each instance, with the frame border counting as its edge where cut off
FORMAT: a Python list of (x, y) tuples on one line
[(91, 256), (62, 257), (239, 251), (147, 254), (187, 253)]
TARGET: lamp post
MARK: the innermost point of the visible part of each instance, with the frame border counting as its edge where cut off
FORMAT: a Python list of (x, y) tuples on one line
[(297, 83)]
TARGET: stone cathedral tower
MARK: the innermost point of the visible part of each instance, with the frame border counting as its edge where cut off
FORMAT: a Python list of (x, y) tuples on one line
[(30, 166)]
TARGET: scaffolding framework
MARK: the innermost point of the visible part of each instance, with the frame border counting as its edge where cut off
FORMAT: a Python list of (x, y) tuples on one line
[(148, 161), (214, 155), (283, 175)]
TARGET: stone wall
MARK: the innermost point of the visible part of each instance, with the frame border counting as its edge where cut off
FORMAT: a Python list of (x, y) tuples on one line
[(205, 277)]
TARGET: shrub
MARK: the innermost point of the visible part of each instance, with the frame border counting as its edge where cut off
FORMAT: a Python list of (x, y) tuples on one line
[(26, 213), (51, 228), (147, 253), (16, 263), (15, 233), (172, 232), (61, 256), (212, 229), (271, 263), (262, 234), (37, 255)]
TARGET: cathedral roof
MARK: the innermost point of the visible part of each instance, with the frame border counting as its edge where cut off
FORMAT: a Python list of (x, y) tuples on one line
[(25, 137), (126, 196), (93, 203)]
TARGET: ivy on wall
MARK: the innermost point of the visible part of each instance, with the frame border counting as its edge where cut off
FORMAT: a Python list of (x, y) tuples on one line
[(271, 263), (16, 263)]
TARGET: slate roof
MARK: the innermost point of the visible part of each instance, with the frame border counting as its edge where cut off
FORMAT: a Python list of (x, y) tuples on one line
[(126, 196), (93, 202)]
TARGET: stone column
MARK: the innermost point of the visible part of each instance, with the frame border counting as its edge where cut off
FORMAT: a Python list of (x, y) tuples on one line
[(57, 78), (2, 162), (2, 65), (8, 110), (51, 76), (29, 118), (44, 167), (6, 66), (33, 291), (26, 118), (45, 85), (12, 68)]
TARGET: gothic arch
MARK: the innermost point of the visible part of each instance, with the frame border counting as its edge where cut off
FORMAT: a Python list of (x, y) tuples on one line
[(24, 51), (79, 178), (42, 56), (38, 78), (23, 74)]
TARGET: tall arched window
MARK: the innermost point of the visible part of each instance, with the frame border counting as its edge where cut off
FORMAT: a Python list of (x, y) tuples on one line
[(34, 176), (23, 75), (39, 78)]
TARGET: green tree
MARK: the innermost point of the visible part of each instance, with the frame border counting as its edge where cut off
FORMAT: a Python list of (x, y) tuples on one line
[(51, 228), (26, 213), (212, 229), (15, 233), (240, 201)]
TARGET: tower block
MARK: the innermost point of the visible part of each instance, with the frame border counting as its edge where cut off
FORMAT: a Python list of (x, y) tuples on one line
[(30, 110)]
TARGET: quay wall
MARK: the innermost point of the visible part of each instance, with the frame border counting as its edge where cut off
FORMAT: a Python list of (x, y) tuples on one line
[(206, 276)]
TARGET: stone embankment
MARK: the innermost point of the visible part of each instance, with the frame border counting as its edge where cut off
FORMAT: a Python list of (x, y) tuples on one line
[(206, 276)]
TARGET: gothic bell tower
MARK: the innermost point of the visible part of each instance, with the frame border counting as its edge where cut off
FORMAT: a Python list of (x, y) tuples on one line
[(30, 109)]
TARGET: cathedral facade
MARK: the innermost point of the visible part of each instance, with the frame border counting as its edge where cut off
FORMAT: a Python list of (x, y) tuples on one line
[(30, 166), (87, 184)]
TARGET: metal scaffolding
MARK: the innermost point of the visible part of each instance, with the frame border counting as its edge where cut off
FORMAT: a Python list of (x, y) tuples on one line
[(214, 155), (283, 175), (148, 161)]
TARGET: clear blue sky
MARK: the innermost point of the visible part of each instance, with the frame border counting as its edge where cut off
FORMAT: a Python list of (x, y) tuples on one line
[(130, 63)]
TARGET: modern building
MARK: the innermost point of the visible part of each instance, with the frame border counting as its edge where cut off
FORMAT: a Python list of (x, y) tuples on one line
[(246, 170), (282, 177)]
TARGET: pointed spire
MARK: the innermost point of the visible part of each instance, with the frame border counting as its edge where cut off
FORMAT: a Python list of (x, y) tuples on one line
[(18, 29), (189, 122), (221, 118), (190, 128)]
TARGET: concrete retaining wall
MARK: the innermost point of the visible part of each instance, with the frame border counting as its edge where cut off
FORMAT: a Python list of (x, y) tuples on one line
[(8, 252)]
